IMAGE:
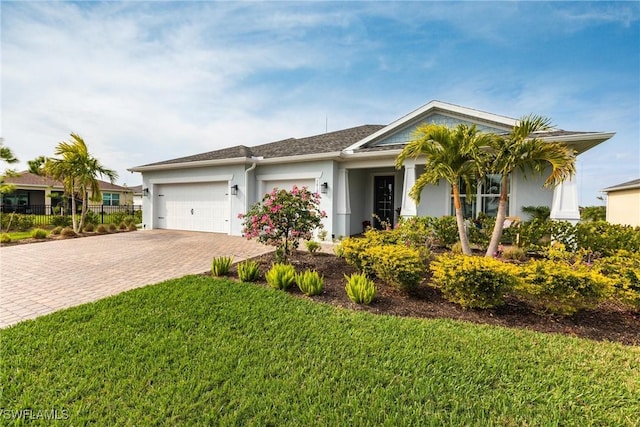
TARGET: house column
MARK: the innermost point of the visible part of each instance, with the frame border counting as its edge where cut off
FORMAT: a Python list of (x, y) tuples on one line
[(564, 206), (409, 207), (342, 226)]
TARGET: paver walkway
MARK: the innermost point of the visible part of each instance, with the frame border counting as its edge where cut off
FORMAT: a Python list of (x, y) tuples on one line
[(40, 278)]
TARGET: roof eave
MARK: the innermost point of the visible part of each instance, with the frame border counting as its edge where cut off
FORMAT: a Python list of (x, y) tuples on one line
[(582, 142), (192, 164)]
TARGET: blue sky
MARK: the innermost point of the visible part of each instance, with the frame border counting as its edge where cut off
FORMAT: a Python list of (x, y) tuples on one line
[(150, 81)]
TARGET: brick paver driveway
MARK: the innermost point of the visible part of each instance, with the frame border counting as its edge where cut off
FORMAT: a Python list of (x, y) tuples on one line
[(40, 278)]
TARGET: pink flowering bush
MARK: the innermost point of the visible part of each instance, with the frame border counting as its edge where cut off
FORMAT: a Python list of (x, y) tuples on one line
[(282, 218)]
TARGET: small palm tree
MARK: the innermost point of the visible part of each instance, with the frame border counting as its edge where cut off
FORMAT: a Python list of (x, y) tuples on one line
[(78, 171), (451, 154), (520, 150)]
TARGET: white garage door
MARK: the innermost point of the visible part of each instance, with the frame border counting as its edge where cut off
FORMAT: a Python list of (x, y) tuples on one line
[(202, 206), (282, 184)]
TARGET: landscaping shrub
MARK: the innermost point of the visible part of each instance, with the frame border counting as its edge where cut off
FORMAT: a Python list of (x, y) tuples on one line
[(446, 230), (398, 265), (354, 249), (102, 229), (56, 230), (417, 232), (112, 227), (16, 222), (132, 227), (623, 269), (473, 281), (561, 288), (92, 218), (61, 221), (120, 216), (220, 266), (514, 253), (68, 232), (281, 276), (360, 288), (248, 271), (5, 238), (312, 246), (282, 218), (605, 238), (89, 228), (122, 226), (310, 282), (39, 233)]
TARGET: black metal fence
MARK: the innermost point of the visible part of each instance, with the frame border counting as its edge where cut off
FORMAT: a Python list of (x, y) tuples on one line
[(45, 214)]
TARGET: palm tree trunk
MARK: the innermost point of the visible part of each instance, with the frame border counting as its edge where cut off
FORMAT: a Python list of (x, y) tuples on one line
[(83, 212), (462, 232), (500, 217)]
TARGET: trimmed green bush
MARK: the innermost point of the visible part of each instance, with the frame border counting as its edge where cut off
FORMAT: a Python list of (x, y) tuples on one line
[(558, 287), (220, 266), (360, 288), (112, 228), (514, 253), (102, 229), (5, 238), (18, 222), (61, 221), (312, 246), (122, 226), (399, 266), (132, 227), (281, 276), (39, 233), (89, 228), (248, 271), (310, 282), (473, 281), (56, 231)]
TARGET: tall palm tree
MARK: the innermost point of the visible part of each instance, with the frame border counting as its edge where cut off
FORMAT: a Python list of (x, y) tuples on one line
[(6, 155), (521, 149), (451, 154), (78, 171)]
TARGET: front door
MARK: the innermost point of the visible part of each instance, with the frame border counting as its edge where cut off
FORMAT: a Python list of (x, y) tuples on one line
[(383, 201)]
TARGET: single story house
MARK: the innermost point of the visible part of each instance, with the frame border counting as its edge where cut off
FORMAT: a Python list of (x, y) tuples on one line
[(40, 195), (353, 170), (623, 203)]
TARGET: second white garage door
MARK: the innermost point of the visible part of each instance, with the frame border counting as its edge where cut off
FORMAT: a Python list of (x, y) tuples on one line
[(202, 206)]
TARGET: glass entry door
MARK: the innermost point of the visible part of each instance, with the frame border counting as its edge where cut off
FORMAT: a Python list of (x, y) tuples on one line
[(383, 200)]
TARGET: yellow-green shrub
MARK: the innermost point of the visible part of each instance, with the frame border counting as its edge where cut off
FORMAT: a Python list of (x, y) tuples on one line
[(360, 288), (220, 266), (39, 233), (281, 276), (623, 269), (398, 265), (473, 281), (561, 288), (310, 282), (248, 271), (5, 238)]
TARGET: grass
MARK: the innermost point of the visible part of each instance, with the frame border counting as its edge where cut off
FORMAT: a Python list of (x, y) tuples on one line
[(207, 351)]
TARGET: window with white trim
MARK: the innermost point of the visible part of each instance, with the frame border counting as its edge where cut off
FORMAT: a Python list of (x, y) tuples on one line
[(111, 199), (487, 197)]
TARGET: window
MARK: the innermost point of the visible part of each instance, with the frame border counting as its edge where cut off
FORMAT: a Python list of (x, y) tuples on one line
[(487, 197), (111, 199)]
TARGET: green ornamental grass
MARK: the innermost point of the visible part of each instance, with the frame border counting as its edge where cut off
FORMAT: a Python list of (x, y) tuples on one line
[(310, 282), (281, 276), (220, 266)]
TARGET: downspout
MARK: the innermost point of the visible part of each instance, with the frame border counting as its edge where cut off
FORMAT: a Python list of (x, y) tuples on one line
[(246, 184)]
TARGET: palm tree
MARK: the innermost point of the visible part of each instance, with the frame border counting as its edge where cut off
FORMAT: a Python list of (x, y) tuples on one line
[(78, 171), (451, 154), (520, 150), (6, 155)]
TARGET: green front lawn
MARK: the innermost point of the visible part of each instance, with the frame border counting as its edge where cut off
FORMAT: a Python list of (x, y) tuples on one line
[(204, 351)]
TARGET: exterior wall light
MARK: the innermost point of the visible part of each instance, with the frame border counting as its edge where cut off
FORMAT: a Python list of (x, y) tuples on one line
[(145, 192), (234, 190), (324, 188)]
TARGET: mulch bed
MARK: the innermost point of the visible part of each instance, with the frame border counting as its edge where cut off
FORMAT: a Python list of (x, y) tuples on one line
[(607, 323)]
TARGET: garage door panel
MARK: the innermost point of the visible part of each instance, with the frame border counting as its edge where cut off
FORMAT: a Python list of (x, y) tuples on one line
[(193, 207)]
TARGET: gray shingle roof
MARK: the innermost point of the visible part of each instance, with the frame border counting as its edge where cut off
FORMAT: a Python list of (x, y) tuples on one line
[(624, 186), (324, 143)]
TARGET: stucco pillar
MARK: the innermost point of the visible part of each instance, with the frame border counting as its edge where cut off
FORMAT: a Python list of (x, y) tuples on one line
[(409, 207), (564, 206), (343, 205)]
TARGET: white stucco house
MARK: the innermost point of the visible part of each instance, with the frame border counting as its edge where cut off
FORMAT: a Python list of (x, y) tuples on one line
[(354, 171)]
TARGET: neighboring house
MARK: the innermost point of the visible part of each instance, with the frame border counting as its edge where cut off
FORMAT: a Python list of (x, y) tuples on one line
[(137, 195), (623, 203), (41, 195), (354, 171)]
